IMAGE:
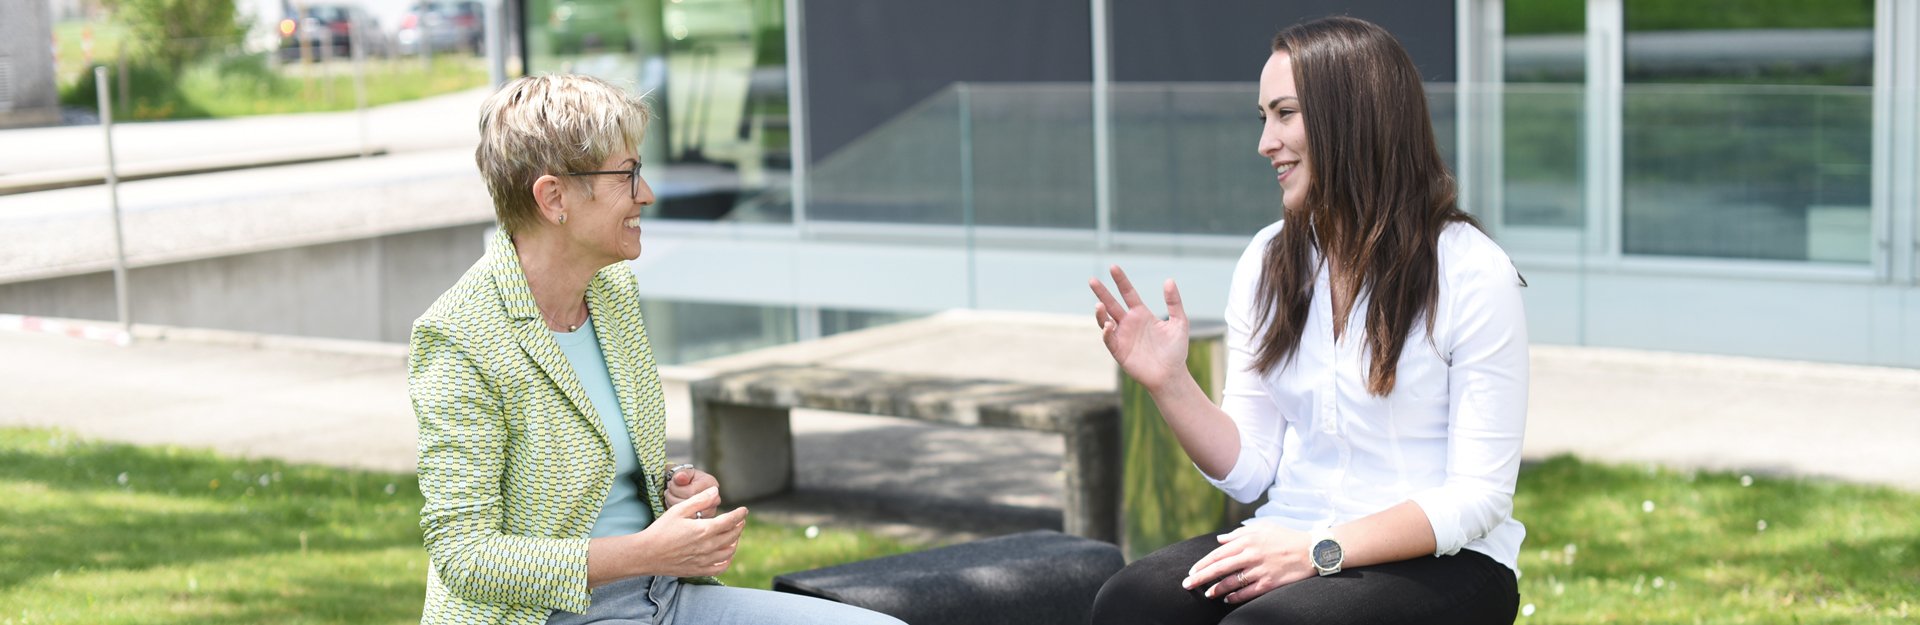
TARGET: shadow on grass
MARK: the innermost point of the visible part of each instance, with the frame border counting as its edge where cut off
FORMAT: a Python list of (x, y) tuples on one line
[(68, 509)]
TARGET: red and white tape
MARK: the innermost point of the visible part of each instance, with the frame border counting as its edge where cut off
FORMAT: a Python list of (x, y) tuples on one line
[(72, 329)]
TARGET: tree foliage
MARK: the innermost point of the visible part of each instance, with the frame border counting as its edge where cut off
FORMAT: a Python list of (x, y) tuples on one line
[(173, 33)]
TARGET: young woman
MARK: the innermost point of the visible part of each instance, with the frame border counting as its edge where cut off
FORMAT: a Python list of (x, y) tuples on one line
[(1377, 372)]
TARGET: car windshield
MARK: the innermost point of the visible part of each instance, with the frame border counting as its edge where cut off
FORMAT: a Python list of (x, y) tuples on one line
[(326, 13)]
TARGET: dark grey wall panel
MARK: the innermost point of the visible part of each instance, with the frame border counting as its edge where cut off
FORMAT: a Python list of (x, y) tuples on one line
[(1226, 40), (868, 60)]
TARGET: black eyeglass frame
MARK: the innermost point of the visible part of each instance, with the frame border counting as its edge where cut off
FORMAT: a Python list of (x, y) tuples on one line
[(633, 181)]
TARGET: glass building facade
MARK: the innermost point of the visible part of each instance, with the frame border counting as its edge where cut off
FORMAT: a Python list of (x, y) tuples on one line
[(1733, 176)]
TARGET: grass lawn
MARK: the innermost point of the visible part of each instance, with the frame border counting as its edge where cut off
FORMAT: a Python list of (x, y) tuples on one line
[(106, 533), (234, 84)]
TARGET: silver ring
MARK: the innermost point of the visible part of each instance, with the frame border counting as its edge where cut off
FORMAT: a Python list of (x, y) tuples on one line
[(700, 514), (1242, 576)]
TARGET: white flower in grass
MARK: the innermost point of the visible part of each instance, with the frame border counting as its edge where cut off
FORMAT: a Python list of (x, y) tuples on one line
[(1659, 582), (1647, 506), (390, 488), (265, 480), (1570, 550), (1526, 610), (1746, 480), (122, 479), (813, 531), (1761, 526)]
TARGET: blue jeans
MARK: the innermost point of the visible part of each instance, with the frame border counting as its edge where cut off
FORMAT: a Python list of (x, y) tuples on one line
[(666, 601)]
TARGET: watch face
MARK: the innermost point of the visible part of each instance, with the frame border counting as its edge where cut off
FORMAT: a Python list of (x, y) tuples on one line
[(1326, 554)]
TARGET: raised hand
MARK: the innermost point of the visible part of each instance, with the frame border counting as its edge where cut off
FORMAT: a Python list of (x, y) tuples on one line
[(681, 545), (1150, 349)]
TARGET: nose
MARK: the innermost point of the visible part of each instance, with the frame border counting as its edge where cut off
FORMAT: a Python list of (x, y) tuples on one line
[(1269, 145), (642, 192)]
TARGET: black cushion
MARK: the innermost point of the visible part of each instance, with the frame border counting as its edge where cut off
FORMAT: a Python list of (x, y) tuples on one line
[(1041, 577)]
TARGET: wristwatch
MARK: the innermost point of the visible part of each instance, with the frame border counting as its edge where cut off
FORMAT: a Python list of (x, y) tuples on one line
[(1325, 551)]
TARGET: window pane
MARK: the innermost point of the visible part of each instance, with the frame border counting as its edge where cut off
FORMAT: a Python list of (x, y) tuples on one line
[(1542, 104), (1747, 129), (714, 72)]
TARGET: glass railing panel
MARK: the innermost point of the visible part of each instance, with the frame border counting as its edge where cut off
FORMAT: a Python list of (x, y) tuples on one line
[(1032, 154), (906, 171), (1185, 161), (1753, 172), (1542, 156)]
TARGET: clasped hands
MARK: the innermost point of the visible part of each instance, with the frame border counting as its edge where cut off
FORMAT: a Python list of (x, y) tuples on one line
[(692, 537), (1251, 561)]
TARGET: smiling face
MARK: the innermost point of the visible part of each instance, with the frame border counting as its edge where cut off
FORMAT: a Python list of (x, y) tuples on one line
[(1283, 134), (605, 225)]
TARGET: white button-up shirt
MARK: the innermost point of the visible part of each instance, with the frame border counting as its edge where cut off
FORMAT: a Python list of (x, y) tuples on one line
[(1448, 437)]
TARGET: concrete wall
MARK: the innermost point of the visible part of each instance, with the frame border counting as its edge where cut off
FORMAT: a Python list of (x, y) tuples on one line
[(28, 93), (370, 289)]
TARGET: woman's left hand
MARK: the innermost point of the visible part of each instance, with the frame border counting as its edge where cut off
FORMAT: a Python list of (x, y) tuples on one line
[(1251, 561), (686, 483)]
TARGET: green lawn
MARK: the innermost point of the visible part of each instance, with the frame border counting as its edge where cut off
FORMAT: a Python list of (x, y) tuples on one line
[(106, 533), (233, 84), (1613, 544)]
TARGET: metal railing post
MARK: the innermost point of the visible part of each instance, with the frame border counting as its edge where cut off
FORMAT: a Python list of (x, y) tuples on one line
[(121, 305)]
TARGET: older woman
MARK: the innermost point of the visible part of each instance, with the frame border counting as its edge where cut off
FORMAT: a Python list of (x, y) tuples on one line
[(1376, 384), (542, 424)]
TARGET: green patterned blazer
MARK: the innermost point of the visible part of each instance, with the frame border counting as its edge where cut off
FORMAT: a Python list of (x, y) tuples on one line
[(514, 461)]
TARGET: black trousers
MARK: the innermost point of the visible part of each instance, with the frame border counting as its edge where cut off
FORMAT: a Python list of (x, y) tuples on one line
[(1468, 587)]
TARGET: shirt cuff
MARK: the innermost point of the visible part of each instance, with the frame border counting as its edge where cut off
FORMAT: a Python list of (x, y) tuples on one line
[(1449, 534), (1244, 482)]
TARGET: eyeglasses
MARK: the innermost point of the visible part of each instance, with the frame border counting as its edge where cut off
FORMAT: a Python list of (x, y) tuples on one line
[(633, 177)]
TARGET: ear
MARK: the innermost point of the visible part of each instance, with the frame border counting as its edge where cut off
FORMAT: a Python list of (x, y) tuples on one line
[(549, 195)]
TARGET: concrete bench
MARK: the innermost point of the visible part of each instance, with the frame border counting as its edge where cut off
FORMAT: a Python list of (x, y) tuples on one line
[(1037, 578), (742, 427)]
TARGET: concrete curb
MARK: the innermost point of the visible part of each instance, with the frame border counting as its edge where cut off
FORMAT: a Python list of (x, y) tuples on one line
[(110, 332), (71, 178)]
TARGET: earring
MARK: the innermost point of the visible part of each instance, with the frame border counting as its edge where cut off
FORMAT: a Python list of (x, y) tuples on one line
[(563, 218)]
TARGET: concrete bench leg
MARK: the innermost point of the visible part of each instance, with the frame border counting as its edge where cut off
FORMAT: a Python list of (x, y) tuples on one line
[(1092, 463), (749, 449)]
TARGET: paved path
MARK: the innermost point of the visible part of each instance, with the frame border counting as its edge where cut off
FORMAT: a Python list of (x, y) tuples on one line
[(345, 404)]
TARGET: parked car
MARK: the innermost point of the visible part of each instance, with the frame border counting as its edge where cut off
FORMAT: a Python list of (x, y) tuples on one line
[(327, 28), (442, 26)]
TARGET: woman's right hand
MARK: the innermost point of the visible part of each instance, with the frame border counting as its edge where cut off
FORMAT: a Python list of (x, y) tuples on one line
[(680, 545), (1150, 349)]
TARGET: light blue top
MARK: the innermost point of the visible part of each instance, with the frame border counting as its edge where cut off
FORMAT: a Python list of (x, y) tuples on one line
[(624, 512)]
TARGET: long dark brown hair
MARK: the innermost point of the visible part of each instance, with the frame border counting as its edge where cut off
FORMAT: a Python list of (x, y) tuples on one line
[(1378, 199)]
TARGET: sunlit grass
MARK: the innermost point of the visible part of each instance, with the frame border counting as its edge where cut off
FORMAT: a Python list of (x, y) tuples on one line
[(1612, 544), (192, 537), (232, 83)]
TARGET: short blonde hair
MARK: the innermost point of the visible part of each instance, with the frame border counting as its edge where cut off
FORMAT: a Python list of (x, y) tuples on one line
[(539, 125)]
